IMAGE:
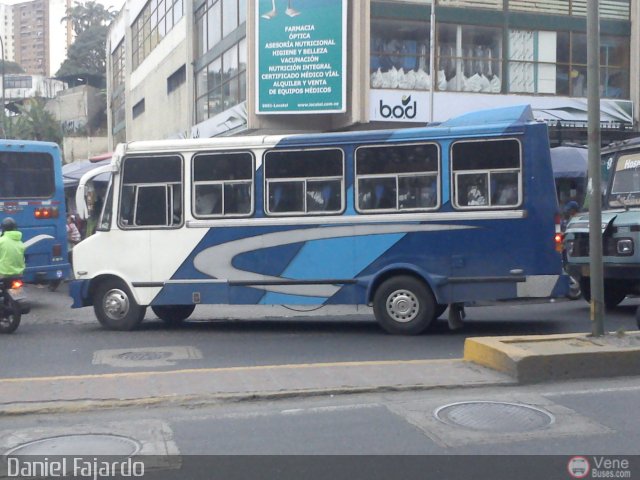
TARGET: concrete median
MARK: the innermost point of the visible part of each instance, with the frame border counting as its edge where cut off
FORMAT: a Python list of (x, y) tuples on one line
[(539, 358)]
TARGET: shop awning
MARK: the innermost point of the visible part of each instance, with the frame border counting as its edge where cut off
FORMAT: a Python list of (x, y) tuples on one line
[(72, 172), (569, 162)]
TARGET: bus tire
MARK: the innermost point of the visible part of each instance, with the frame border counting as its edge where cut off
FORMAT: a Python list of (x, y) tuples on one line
[(173, 314), (404, 305), (115, 307)]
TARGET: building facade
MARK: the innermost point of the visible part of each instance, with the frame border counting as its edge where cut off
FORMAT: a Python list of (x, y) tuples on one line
[(189, 68)]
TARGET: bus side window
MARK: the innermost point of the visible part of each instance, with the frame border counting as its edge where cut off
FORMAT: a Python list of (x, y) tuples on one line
[(304, 181), (151, 191), (486, 173), (397, 177), (223, 184)]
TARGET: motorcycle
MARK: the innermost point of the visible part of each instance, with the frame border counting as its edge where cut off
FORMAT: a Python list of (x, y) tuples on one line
[(13, 304)]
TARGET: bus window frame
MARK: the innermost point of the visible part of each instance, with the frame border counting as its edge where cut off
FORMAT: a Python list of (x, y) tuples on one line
[(486, 171), (304, 180), (169, 225), (397, 176), (223, 183)]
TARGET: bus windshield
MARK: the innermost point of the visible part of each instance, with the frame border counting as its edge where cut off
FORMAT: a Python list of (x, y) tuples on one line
[(625, 186)]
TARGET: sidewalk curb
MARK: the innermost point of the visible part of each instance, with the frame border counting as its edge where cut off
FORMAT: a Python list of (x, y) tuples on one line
[(539, 358), (79, 406)]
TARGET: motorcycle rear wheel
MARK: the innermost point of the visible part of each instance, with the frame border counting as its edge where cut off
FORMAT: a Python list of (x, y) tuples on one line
[(10, 317)]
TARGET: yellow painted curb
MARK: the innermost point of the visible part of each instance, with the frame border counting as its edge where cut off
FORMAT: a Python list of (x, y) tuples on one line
[(538, 358)]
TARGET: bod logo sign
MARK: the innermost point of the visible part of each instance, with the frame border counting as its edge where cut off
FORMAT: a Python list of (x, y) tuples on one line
[(406, 109)]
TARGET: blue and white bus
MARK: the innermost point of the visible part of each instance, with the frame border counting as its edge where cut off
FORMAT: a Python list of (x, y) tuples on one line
[(32, 192), (408, 221)]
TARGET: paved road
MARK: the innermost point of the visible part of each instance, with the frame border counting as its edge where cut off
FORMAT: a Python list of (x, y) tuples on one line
[(57, 340), (588, 417), (582, 418)]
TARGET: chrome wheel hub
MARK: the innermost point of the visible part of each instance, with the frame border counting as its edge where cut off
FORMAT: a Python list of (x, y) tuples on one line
[(116, 304), (402, 306)]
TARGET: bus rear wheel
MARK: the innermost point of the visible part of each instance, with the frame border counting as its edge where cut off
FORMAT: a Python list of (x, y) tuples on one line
[(115, 307), (404, 305), (173, 314)]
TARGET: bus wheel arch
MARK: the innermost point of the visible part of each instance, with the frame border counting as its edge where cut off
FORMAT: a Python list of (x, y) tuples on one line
[(114, 305), (403, 303)]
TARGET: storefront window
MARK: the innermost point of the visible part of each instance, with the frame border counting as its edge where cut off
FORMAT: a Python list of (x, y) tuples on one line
[(469, 58), (400, 55)]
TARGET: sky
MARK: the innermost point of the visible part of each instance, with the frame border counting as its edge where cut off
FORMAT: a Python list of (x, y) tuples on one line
[(116, 4)]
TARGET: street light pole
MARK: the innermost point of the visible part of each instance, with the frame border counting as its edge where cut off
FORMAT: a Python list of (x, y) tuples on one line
[(432, 60), (595, 196)]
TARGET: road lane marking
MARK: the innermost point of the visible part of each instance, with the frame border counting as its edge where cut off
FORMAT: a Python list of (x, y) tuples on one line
[(300, 366)]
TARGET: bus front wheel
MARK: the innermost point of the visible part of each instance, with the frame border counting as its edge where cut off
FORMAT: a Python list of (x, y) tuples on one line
[(173, 314), (115, 307), (404, 305)]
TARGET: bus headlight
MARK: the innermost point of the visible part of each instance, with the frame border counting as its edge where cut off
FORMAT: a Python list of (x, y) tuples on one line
[(625, 246)]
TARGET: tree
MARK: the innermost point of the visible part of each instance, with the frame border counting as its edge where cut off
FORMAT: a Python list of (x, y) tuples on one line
[(87, 55), (89, 15), (36, 123)]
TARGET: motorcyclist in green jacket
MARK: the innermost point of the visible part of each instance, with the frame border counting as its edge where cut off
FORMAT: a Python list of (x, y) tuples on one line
[(11, 249)]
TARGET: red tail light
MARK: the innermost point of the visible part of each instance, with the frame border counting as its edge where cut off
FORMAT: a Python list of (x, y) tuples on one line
[(46, 212), (559, 241), (558, 238), (16, 283), (56, 250)]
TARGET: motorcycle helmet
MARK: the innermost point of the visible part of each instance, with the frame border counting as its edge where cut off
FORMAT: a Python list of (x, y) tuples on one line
[(9, 224)]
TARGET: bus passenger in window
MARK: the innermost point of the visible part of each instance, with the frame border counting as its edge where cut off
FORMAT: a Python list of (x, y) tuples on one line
[(476, 196), (208, 203), (508, 195)]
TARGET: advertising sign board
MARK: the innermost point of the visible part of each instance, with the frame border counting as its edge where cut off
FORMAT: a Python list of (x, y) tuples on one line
[(301, 56)]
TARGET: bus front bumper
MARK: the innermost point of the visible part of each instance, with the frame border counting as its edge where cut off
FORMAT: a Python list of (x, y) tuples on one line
[(79, 292)]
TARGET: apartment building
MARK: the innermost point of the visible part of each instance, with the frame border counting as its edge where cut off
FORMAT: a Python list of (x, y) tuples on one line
[(34, 36)]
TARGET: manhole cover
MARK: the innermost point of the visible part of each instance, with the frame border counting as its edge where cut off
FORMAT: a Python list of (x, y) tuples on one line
[(502, 417), (142, 356), (78, 445)]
